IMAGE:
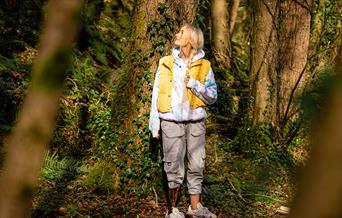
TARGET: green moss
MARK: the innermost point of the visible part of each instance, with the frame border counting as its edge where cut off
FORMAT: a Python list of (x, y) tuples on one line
[(101, 177)]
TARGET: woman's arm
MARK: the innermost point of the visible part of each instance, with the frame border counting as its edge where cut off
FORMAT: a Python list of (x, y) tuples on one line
[(154, 122), (207, 92)]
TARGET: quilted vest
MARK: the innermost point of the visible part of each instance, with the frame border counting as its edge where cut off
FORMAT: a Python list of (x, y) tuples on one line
[(198, 70)]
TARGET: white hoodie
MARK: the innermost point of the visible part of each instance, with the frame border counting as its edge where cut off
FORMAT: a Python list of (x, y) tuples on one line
[(180, 110)]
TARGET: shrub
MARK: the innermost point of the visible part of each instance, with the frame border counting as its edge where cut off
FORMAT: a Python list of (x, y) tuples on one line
[(101, 177)]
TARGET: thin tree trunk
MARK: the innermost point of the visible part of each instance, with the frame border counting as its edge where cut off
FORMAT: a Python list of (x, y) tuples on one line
[(263, 60), (27, 143), (220, 31), (294, 42), (316, 36), (234, 8)]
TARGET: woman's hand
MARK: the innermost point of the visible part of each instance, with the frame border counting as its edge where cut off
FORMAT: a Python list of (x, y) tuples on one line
[(158, 137), (186, 79)]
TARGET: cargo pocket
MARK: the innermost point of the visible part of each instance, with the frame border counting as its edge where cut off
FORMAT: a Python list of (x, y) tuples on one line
[(197, 129), (171, 129), (172, 140)]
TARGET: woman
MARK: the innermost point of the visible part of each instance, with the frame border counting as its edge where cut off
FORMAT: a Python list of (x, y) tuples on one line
[(184, 84)]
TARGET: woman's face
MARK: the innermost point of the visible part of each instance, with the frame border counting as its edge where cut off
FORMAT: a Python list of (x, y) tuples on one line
[(182, 37)]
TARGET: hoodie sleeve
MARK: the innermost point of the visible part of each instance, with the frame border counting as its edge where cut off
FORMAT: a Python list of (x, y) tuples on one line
[(154, 122), (207, 92)]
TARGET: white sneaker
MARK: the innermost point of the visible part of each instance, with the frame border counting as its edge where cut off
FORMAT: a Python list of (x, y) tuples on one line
[(175, 214), (200, 212)]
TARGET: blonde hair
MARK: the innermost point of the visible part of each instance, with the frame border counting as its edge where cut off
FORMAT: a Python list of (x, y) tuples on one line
[(196, 37), (196, 41)]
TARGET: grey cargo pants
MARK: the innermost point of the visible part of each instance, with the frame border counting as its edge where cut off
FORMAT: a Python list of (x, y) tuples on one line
[(180, 138)]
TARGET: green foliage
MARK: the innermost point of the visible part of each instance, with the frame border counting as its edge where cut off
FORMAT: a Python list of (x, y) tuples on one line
[(86, 115), (72, 208), (103, 136), (20, 24), (6, 64), (223, 106), (6, 117), (330, 16), (104, 29), (85, 125), (242, 62), (13, 82), (55, 168), (241, 185), (252, 141), (101, 177), (261, 144), (203, 22), (86, 92), (55, 178), (86, 110), (315, 96), (161, 31)]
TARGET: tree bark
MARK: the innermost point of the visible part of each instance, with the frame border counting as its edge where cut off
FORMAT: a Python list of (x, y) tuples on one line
[(264, 46), (279, 52), (27, 143), (220, 33), (234, 8), (293, 54)]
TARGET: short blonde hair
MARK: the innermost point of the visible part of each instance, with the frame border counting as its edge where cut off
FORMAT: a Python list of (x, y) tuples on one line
[(196, 37)]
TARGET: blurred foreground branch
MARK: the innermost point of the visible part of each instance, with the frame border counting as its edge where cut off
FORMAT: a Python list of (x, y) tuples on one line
[(320, 190), (27, 143)]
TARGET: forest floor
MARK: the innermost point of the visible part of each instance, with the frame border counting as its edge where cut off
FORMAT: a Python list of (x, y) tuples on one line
[(234, 186)]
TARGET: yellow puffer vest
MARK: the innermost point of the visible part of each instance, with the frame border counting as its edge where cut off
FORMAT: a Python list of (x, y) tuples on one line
[(198, 70)]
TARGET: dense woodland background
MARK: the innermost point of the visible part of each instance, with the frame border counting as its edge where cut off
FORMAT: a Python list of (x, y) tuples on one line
[(275, 66)]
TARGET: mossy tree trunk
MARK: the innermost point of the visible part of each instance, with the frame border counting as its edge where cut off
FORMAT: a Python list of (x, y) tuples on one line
[(27, 143), (154, 25), (322, 52), (316, 36), (264, 48)]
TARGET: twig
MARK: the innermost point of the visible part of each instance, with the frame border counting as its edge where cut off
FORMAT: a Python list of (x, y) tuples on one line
[(234, 189), (156, 196), (215, 150), (265, 196)]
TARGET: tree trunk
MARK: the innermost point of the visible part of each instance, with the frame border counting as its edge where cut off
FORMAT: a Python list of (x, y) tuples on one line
[(234, 8), (294, 45), (220, 33), (278, 62), (316, 61), (149, 43), (263, 60), (26, 145)]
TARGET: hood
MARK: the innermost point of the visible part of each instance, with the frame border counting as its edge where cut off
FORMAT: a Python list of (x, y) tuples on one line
[(175, 52)]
